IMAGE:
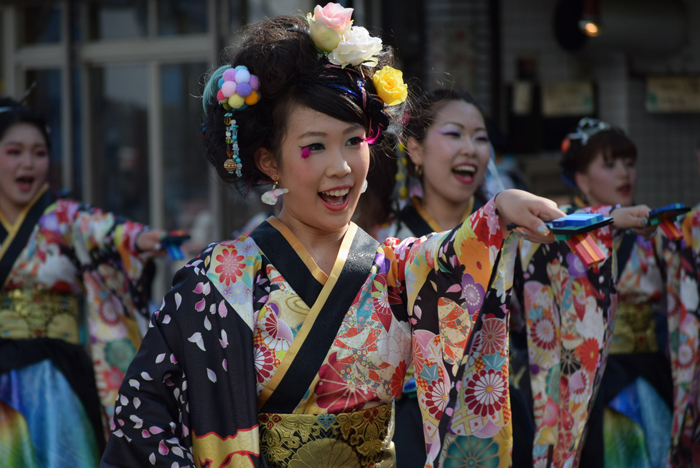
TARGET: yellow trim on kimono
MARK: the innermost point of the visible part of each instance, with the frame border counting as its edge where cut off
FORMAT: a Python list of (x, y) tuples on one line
[(432, 222), (312, 315), (217, 450), (13, 229), (299, 248)]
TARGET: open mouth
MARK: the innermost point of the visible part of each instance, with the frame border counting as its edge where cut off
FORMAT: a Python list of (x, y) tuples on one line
[(465, 173), (335, 199), (25, 183), (625, 189)]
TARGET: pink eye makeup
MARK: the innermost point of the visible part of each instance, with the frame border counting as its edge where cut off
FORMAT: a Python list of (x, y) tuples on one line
[(305, 152)]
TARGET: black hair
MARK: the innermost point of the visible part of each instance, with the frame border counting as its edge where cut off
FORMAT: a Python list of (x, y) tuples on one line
[(612, 144), (279, 51), (423, 112), (12, 113)]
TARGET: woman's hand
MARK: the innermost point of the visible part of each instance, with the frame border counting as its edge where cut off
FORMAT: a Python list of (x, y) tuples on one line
[(149, 242), (529, 212), (634, 217)]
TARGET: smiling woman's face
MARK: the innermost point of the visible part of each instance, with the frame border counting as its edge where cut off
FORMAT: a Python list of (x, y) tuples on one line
[(24, 165), (323, 163), (454, 154)]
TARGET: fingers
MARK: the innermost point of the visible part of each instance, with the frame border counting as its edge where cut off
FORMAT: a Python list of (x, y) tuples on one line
[(646, 232), (534, 229)]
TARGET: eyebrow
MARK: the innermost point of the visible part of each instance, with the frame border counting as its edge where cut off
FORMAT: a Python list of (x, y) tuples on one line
[(350, 129), (462, 126), (19, 143), (454, 123)]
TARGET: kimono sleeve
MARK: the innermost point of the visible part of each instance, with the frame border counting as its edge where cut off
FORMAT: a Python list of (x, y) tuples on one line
[(189, 397), (117, 286), (683, 280), (453, 292), (569, 312), (99, 236), (150, 425)]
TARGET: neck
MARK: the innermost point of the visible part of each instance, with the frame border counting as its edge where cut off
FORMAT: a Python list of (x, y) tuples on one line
[(447, 214), (323, 246), (10, 211)]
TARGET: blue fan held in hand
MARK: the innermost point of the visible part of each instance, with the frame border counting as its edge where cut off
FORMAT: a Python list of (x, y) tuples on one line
[(575, 230), (172, 242)]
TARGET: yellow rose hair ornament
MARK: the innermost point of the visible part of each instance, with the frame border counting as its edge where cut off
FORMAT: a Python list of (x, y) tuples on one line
[(390, 86)]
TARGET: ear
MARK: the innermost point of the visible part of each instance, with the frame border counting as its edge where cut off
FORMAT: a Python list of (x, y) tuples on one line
[(582, 182), (267, 164), (415, 151)]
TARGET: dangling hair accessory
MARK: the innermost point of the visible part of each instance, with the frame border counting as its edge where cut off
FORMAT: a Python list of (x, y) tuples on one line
[(233, 163), (238, 89), (271, 196), (401, 176)]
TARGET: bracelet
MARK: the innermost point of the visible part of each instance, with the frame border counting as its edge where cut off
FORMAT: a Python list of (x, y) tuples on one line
[(495, 209), (614, 208)]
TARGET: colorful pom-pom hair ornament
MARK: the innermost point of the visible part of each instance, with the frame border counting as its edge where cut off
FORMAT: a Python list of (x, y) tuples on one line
[(238, 89)]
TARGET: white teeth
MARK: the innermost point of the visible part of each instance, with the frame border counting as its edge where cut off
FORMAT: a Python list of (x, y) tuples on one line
[(468, 169), (337, 193)]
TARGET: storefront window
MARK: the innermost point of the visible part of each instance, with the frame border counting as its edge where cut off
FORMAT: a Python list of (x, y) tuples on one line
[(42, 24), (179, 17), (118, 19), (119, 108), (185, 169), (46, 99)]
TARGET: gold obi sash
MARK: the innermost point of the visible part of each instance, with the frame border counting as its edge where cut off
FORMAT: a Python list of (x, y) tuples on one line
[(635, 330), (344, 440), (26, 314)]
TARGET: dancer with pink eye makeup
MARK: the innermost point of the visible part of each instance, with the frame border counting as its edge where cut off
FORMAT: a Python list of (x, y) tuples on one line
[(447, 148), (72, 279), (288, 347)]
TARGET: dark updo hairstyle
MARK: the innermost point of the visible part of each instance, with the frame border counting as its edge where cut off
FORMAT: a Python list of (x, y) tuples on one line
[(577, 157), (291, 71), (12, 113)]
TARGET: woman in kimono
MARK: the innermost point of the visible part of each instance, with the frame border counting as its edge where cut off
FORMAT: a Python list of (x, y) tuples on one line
[(631, 418), (448, 151), (59, 365), (288, 347), (686, 429)]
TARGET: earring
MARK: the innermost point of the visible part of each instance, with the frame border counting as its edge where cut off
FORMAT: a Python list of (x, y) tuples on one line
[(271, 196), (419, 171), (364, 186)]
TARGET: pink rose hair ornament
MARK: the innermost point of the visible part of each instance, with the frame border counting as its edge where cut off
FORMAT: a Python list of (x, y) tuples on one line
[(238, 90)]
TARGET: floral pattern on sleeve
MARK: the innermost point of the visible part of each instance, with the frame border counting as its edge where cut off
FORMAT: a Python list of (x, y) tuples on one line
[(450, 273), (569, 313), (684, 330)]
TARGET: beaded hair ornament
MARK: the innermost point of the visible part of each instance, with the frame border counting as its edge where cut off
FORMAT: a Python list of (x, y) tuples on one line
[(238, 89)]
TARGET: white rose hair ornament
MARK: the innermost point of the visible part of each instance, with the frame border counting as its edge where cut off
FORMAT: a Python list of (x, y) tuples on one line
[(349, 48)]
